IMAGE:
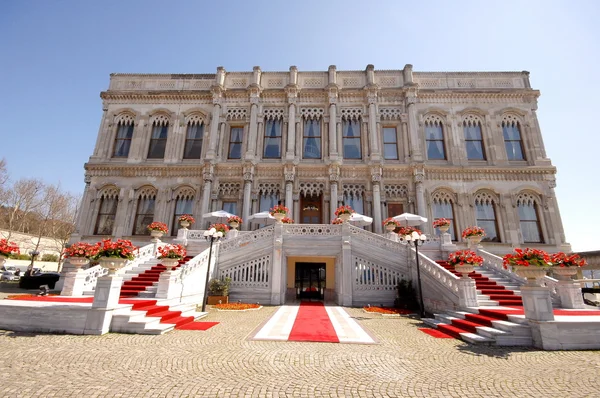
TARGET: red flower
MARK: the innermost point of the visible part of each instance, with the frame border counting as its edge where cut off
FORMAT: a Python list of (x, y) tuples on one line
[(172, 251), (462, 257), (158, 226), (8, 248), (527, 257), (344, 210)]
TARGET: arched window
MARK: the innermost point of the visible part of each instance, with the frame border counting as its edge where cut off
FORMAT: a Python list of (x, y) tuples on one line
[(443, 207), (105, 221), (144, 214), (529, 218), (184, 204), (513, 142), (486, 216), (351, 120), (158, 139), (354, 197), (272, 139), (193, 138), (473, 138), (434, 138), (311, 139), (125, 123)]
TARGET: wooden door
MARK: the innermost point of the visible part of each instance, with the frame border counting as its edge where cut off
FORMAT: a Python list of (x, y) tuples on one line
[(395, 209), (311, 210)]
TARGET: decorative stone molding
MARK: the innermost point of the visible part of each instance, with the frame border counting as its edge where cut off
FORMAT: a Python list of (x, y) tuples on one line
[(194, 118), (248, 172), (442, 196), (354, 190), (389, 113), (376, 174), (351, 113), (472, 120), (395, 191), (289, 172), (160, 119), (419, 175), (526, 199), (334, 173), (185, 193), (311, 188), (433, 119), (146, 192), (229, 189), (485, 198), (273, 113), (124, 118), (312, 113), (237, 113), (269, 188), (108, 192), (208, 172)]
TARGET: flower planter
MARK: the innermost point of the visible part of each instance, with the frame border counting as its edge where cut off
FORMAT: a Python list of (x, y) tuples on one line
[(534, 274), (564, 273), (279, 217), (444, 228), (213, 300), (390, 227), (474, 239), (234, 224), (184, 224), (345, 217), (169, 262), (156, 234), (112, 263), (464, 269), (78, 262)]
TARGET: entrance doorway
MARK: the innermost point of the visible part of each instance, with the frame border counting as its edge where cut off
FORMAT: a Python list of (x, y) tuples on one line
[(310, 281), (310, 209)]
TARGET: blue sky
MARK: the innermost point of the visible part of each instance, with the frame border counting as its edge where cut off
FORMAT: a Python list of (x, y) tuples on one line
[(57, 57)]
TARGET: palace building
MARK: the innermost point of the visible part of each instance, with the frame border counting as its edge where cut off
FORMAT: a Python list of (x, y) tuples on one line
[(466, 146)]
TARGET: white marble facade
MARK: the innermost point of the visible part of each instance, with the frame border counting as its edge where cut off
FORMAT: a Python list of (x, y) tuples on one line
[(383, 140)]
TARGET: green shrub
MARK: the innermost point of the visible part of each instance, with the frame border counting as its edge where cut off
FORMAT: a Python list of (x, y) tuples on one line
[(22, 257), (50, 257), (407, 296), (219, 287)]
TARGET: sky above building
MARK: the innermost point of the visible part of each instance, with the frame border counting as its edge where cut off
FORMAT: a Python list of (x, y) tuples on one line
[(57, 57)]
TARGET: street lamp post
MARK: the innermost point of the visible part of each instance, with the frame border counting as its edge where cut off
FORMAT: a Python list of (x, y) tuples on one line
[(418, 239), (32, 253), (213, 236)]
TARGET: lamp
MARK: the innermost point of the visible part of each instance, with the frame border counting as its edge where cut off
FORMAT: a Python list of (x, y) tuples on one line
[(417, 239), (213, 236)]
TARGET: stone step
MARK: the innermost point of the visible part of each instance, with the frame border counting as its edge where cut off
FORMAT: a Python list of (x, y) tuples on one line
[(476, 339)]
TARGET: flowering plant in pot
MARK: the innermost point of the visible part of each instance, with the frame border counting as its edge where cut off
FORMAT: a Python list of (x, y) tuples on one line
[(219, 227), (79, 253), (408, 231), (234, 221), (8, 249), (464, 261), (287, 220), (171, 254), (122, 248), (186, 220), (344, 210), (279, 209), (565, 266), (442, 223), (158, 226), (529, 263), (473, 232), (337, 221), (218, 291), (391, 222)]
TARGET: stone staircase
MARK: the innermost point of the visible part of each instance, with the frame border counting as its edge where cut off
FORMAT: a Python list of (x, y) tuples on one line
[(481, 325)]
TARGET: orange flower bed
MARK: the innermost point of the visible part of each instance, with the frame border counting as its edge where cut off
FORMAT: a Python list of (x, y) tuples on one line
[(18, 296), (388, 311), (236, 306)]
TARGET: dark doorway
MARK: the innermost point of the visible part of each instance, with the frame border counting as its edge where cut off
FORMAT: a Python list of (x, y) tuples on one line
[(310, 209), (310, 280)]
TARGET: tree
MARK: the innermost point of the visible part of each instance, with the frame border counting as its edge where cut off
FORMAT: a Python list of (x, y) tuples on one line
[(20, 201)]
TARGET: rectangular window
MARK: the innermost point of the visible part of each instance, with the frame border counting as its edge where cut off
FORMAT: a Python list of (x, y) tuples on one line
[(434, 137), (311, 142), (355, 201), (230, 207), (193, 141), (235, 143), (486, 219), (143, 216), (272, 144), (351, 139), (158, 141), (267, 202), (106, 216), (390, 143), (123, 140), (182, 206), (529, 223), (474, 142), (445, 210), (512, 141)]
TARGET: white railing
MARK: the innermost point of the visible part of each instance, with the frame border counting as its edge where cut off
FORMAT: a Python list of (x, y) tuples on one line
[(91, 276), (253, 273), (144, 254), (196, 263), (372, 276), (440, 274), (312, 229), (377, 241), (246, 239)]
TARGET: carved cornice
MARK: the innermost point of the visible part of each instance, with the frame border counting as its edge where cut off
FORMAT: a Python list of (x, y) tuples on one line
[(128, 170), (157, 97)]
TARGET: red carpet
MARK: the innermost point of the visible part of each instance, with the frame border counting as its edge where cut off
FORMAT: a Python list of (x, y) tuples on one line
[(197, 326), (436, 333), (312, 324)]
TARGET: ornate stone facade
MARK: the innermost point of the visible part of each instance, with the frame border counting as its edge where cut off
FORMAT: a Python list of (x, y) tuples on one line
[(466, 144)]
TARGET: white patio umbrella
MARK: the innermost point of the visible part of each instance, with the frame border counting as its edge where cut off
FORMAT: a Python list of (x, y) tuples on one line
[(264, 217), (410, 220), (217, 216), (360, 220)]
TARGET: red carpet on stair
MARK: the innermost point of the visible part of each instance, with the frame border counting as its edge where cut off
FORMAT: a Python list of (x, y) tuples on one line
[(436, 333), (197, 326), (312, 324)]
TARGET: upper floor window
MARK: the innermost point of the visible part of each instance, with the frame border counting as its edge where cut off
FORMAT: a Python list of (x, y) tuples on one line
[(529, 220), (272, 143), (473, 139), (107, 211), (235, 143), (434, 138), (442, 207), (144, 214), (390, 143), (486, 217), (355, 200), (193, 140), (311, 140), (158, 140), (351, 138), (123, 140), (512, 138)]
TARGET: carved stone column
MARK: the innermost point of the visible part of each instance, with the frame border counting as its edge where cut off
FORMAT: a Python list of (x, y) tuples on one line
[(292, 96), (214, 123), (413, 126), (333, 130), (373, 132), (290, 173), (207, 175), (334, 177), (405, 146), (376, 178), (253, 128), (248, 177), (419, 177)]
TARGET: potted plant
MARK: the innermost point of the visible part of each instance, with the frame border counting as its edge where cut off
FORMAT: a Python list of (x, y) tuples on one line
[(170, 255), (565, 266), (7, 249), (114, 255), (79, 253), (464, 261), (407, 296), (344, 212), (234, 221), (220, 227), (279, 212), (531, 264), (408, 231), (287, 220), (218, 291), (185, 220), (443, 224), (158, 229), (473, 234), (337, 221), (390, 224)]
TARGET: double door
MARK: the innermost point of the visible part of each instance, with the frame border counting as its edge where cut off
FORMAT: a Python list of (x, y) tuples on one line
[(310, 280)]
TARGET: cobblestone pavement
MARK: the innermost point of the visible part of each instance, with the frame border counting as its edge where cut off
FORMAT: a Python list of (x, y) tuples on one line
[(221, 362)]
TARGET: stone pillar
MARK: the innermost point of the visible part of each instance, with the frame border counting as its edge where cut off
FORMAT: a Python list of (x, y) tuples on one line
[(73, 284), (106, 299), (333, 125), (467, 292), (101, 150), (214, 129), (413, 127), (334, 177), (291, 133), (289, 174), (347, 269), (419, 177), (277, 281), (168, 287), (537, 303), (253, 128), (405, 146), (84, 209), (208, 177), (376, 178), (570, 294), (247, 201), (373, 132), (126, 197), (554, 214)]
